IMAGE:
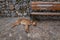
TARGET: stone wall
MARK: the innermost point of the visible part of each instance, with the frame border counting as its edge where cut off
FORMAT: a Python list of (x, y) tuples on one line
[(12, 8)]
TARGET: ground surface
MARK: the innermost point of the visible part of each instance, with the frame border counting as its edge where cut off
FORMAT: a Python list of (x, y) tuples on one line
[(45, 30)]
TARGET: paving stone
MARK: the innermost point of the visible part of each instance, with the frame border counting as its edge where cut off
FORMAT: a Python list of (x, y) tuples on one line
[(45, 30)]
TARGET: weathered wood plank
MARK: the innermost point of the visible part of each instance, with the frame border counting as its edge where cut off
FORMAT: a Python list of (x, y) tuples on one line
[(45, 13)]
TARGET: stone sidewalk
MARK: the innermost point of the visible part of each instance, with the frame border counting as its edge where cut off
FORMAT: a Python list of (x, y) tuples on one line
[(45, 30)]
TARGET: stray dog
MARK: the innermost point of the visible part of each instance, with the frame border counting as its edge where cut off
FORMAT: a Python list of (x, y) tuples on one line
[(25, 22)]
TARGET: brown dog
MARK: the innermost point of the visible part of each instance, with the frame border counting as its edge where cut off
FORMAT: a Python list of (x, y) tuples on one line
[(25, 22)]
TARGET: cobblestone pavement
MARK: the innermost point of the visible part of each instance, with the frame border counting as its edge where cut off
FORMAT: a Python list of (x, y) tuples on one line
[(45, 30)]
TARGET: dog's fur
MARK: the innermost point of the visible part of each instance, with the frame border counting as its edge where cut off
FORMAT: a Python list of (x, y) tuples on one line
[(25, 22)]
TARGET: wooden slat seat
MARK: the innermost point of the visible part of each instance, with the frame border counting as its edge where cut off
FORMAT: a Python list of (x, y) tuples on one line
[(45, 13)]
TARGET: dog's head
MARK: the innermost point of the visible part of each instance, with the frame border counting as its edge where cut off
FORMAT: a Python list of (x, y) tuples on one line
[(34, 23)]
